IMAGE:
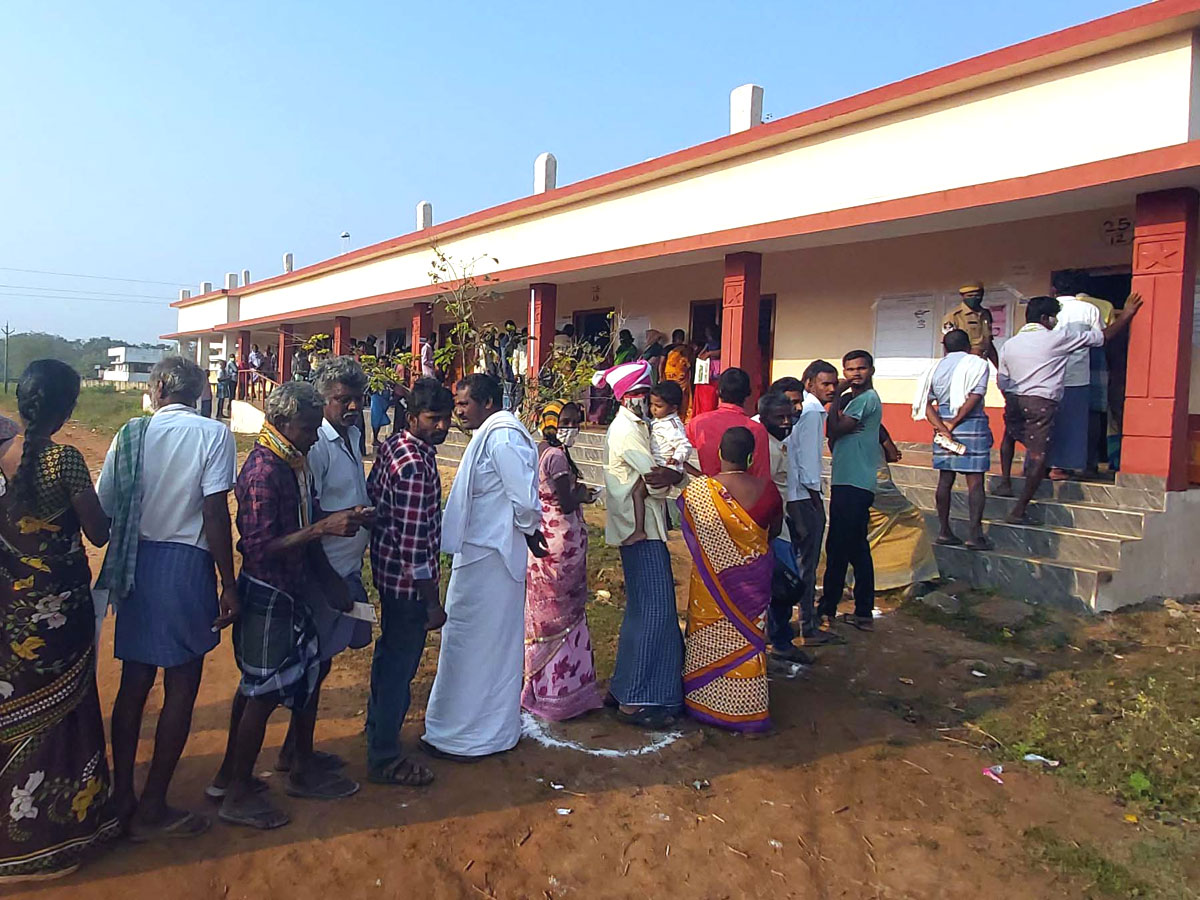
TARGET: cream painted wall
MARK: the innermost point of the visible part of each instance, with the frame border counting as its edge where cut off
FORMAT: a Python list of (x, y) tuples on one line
[(912, 152), (826, 295)]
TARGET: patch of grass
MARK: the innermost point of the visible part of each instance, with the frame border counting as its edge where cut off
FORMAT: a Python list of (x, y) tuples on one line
[(1030, 634), (1134, 734), (102, 409), (1083, 861)]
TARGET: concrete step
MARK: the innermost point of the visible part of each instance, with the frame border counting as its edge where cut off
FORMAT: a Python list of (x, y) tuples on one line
[(1126, 523), (1024, 577), (1091, 493), (1063, 545)]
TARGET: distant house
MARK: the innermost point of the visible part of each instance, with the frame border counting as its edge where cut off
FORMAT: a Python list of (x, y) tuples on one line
[(130, 364)]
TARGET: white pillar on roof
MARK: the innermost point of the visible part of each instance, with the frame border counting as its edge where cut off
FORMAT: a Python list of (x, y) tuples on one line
[(287, 262), (745, 108), (231, 281), (424, 215), (184, 293), (206, 287), (245, 277), (545, 173)]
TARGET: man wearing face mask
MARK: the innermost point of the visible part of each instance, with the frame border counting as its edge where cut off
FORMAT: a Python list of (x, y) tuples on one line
[(775, 411), (647, 684)]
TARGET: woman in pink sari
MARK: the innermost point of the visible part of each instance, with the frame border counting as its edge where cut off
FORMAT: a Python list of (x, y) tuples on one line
[(560, 673)]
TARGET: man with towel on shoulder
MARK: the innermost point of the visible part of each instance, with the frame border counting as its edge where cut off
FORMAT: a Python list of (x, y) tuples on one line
[(490, 524), (951, 399)]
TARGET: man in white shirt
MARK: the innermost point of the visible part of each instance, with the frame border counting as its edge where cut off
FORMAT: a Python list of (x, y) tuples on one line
[(1032, 369), (805, 505), (338, 482), (647, 684), (428, 368), (490, 524), (176, 499), (1068, 451)]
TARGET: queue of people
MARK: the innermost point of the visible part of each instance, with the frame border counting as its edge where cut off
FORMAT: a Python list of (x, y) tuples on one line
[(514, 628)]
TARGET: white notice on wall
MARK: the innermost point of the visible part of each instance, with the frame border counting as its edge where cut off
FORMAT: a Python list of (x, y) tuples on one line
[(906, 333)]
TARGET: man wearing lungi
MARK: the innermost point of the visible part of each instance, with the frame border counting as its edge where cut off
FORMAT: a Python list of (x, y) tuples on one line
[(285, 575), (339, 482), (1033, 364), (491, 526), (1068, 451), (951, 399), (647, 684), (164, 484)]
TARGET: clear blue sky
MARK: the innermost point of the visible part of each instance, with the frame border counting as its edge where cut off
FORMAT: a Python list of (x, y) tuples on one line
[(174, 142)]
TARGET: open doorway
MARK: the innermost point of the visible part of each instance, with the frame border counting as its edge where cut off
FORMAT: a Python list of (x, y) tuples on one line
[(594, 326), (1111, 283), (706, 315)]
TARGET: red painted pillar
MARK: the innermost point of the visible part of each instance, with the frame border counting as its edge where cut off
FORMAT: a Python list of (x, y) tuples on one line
[(422, 327), (243, 361), (287, 346), (341, 336), (543, 310), (1160, 341), (739, 315)]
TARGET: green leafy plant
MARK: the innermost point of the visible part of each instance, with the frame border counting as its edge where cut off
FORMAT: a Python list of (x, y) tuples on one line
[(460, 295)]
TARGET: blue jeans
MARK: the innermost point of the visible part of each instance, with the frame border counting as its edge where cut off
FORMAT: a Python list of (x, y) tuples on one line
[(397, 656)]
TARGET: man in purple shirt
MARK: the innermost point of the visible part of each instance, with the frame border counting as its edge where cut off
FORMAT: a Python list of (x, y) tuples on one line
[(284, 571)]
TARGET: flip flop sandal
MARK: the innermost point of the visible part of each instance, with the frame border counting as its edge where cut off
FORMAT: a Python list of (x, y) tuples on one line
[(330, 787), (258, 813), (326, 762), (185, 824), (647, 717), (791, 655), (948, 542), (449, 757), (863, 624), (979, 545), (214, 792), (403, 772)]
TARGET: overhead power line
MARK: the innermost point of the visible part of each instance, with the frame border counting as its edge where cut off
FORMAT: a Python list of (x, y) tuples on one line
[(161, 304), (38, 287), (99, 277)]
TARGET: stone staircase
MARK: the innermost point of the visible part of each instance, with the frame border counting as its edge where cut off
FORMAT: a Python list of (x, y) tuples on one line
[(1068, 556)]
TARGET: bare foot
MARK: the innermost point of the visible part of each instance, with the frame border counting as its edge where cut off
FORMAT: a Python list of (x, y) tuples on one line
[(1004, 489), (635, 538)]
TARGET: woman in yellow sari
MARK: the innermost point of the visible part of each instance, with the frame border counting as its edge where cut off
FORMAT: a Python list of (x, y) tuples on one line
[(728, 523), (678, 368)]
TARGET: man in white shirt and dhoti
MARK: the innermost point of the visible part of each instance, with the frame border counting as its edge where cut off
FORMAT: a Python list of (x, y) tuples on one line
[(490, 524)]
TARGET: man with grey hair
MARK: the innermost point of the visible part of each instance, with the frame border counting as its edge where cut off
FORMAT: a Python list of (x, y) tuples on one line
[(339, 482), (285, 575), (165, 484)]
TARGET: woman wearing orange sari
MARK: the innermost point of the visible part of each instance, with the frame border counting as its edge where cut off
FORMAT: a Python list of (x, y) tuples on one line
[(728, 523), (678, 368)]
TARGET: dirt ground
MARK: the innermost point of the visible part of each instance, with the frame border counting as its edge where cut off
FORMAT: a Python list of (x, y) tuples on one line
[(858, 795)]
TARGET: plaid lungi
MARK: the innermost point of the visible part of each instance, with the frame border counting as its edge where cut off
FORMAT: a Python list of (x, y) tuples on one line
[(975, 433), (275, 644)]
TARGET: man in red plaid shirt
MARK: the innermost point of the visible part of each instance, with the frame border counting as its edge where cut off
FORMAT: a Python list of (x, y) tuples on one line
[(406, 489)]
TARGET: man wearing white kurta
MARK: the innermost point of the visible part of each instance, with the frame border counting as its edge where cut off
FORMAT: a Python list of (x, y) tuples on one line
[(490, 524)]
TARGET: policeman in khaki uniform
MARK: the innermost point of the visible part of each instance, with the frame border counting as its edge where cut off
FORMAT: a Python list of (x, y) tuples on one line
[(975, 319)]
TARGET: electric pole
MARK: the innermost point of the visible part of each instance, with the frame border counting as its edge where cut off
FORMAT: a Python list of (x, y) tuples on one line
[(7, 339)]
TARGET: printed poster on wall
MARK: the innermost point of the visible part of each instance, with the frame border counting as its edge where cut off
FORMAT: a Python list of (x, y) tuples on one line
[(907, 328)]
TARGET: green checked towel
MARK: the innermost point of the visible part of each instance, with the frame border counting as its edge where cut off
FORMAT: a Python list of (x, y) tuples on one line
[(120, 561)]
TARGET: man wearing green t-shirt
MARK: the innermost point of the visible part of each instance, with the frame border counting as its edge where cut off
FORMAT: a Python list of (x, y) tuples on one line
[(853, 431)]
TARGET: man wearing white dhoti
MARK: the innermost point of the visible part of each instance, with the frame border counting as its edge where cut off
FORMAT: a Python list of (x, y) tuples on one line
[(490, 524)]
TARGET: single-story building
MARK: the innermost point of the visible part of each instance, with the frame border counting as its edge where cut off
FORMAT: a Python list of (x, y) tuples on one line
[(849, 225)]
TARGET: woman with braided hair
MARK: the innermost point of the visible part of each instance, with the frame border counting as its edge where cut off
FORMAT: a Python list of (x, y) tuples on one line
[(53, 767)]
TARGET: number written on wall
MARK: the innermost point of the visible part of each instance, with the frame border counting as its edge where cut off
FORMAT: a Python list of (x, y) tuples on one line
[(1118, 230)]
